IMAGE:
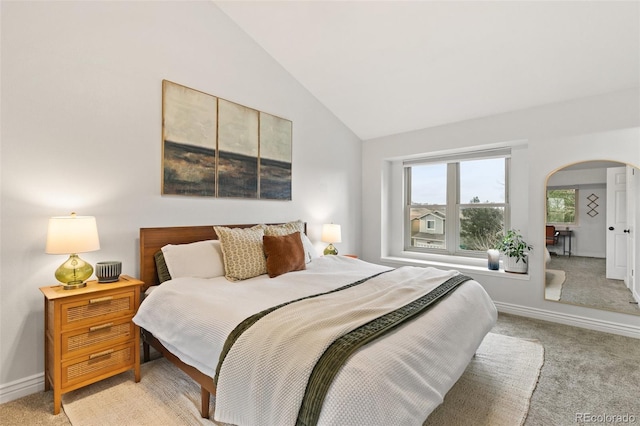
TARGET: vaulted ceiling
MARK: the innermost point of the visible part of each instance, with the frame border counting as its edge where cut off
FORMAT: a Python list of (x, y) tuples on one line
[(386, 67)]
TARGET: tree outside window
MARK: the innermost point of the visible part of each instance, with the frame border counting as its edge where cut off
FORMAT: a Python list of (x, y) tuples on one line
[(481, 228), (562, 206)]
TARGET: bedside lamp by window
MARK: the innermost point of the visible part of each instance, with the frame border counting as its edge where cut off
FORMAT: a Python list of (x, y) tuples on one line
[(72, 235), (331, 234)]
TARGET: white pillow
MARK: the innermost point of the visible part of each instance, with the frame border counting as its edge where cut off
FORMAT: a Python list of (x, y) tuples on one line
[(202, 259), (310, 252)]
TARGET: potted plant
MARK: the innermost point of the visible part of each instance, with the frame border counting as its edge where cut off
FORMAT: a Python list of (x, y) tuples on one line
[(514, 249)]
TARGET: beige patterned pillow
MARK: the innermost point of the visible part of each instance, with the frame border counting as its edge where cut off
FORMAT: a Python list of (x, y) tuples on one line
[(284, 229), (242, 252)]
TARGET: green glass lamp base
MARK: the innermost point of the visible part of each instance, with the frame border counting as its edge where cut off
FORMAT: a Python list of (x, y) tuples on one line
[(330, 250), (73, 273)]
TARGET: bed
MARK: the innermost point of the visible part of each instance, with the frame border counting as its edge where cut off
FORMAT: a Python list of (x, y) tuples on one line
[(399, 378)]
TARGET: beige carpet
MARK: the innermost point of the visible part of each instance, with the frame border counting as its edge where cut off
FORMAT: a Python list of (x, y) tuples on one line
[(494, 390), (554, 280), (496, 387)]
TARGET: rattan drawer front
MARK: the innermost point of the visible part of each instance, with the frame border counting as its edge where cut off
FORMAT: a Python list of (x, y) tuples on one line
[(102, 362), (115, 305), (101, 334)]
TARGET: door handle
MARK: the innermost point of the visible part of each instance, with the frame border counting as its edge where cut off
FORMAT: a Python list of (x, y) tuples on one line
[(611, 228), (627, 231)]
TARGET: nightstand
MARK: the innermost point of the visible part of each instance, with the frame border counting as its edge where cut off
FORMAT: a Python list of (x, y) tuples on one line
[(89, 335)]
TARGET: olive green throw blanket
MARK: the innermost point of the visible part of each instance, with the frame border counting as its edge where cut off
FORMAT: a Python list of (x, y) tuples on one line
[(244, 325), (341, 349), (340, 322)]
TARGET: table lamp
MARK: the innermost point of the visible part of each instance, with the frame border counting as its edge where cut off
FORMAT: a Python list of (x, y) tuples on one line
[(72, 235), (331, 234)]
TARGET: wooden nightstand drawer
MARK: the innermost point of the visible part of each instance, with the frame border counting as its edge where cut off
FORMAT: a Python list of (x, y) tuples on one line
[(108, 361), (89, 334), (98, 307), (89, 338)]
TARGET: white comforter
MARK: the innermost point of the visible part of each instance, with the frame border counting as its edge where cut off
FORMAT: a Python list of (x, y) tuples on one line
[(399, 379)]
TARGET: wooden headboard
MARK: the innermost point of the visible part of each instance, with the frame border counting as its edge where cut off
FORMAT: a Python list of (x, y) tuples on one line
[(153, 239)]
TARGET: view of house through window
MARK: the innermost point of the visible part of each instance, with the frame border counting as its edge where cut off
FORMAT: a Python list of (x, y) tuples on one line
[(561, 206), (456, 207)]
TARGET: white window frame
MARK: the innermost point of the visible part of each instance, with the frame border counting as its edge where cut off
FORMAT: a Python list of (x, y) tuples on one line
[(452, 227)]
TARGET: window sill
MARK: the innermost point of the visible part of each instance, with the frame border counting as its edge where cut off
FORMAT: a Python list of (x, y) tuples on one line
[(469, 265)]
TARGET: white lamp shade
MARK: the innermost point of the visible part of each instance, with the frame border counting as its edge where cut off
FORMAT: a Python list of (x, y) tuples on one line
[(331, 233), (72, 234)]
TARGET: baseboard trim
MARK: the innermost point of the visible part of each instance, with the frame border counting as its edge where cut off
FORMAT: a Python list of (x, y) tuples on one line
[(22, 387), (568, 319)]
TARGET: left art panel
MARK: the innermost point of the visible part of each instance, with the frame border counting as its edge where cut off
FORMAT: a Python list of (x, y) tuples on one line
[(189, 122)]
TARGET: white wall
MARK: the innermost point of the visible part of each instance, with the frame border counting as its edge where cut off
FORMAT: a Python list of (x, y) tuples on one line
[(589, 237), (81, 131), (603, 127)]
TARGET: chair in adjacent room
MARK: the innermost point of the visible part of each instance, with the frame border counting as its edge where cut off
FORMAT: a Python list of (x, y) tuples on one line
[(552, 235)]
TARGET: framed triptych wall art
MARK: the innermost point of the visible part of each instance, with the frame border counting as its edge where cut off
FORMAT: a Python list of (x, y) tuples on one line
[(275, 157), (217, 148), (189, 123)]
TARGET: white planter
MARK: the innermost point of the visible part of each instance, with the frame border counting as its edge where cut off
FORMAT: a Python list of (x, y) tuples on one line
[(511, 265)]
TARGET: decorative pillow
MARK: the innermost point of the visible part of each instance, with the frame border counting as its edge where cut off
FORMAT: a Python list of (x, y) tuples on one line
[(202, 259), (161, 267), (290, 228), (309, 250), (242, 252), (284, 254)]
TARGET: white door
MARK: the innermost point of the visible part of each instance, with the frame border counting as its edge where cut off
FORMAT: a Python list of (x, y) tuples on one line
[(617, 223), (633, 201)]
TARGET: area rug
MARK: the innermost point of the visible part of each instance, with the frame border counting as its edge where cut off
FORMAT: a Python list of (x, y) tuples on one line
[(494, 390), (553, 288), (496, 387)]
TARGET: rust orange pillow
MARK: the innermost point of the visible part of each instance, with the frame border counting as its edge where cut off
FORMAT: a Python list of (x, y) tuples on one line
[(284, 254)]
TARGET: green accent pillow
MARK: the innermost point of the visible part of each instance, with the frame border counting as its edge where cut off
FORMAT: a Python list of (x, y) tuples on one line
[(161, 267)]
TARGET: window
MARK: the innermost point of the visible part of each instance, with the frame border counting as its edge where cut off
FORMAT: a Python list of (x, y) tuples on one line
[(561, 206), (456, 205)]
